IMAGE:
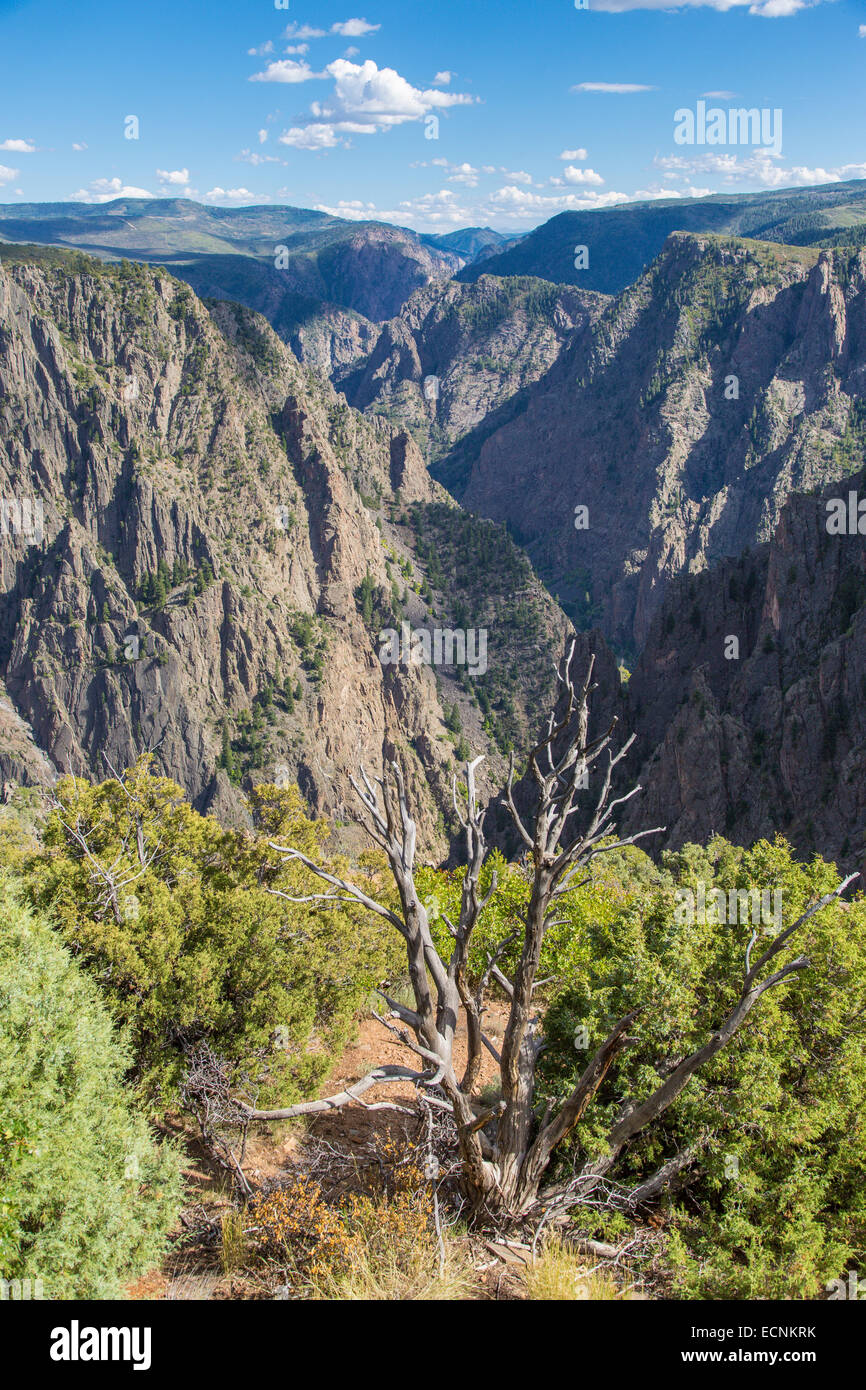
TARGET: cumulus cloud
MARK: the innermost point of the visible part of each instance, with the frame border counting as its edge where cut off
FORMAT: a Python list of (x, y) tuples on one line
[(619, 87), (862, 31), (517, 175), (573, 154), (352, 209), (232, 195), (442, 79), (286, 70), (464, 173), (104, 190), (79, 145), (520, 202), (303, 31), (297, 48), (759, 167), (354, 28), (18, 146), (509, 205), (7, 174), (173, 176), (311, 137), (262, 49), (572, 174), (767, 9), (366, 99), (253, 157)]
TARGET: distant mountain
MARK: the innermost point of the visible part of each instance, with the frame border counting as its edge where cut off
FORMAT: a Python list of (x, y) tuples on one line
[(279, 261), (473, 243), (622, 241)]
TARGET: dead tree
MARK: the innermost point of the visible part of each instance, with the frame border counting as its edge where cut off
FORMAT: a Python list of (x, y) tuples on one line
[(505, 1150)]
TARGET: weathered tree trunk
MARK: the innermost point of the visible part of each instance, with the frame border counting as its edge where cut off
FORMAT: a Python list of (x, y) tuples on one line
[(503, 1176)]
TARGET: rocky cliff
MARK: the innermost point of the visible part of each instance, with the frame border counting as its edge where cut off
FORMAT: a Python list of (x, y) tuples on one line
[(202, 543), (749, 699), (458, 358), (669, 432)]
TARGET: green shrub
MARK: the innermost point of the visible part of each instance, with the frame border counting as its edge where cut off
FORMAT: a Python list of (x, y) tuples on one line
[(87, 1197), (193, 947), (776, 1199)]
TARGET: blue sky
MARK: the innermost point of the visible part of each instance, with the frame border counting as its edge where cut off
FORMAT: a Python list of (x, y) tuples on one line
[(540, 106)]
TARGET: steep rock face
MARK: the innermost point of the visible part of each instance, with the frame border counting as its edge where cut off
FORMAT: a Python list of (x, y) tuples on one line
[(682, 418), (21, 762), (749, 700), (483, 343), (210, 513)]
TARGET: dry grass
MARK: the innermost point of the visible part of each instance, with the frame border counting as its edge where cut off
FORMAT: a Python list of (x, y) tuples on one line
[(560, 1274), (233, 1243), (407, 1272)]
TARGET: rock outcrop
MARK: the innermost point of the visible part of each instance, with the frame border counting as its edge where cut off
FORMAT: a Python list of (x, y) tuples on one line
[(203, 541)]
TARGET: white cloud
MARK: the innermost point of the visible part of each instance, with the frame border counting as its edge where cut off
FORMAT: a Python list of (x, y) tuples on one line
[(442, 79), (253, 157), (79, 145), (758, 167), (310, 137), (573, 154), (286, 70), (658, 191), (572, 174), (232, 195), (611, 87), (303, 31), (351, 52), (263, 135), (508, 206), (767, 9), (720, 96), (173, 176), (381, 97), (777, 9), (104, 190), (520, 202), (18, 146), (465, 174), (353, 209), (366, 99), (517, 175), (7, 174), (354, 28), (262, 49), (297, 48), (861, 32)]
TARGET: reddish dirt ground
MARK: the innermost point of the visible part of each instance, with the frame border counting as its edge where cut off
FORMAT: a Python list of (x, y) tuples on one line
[(192, 1270)]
